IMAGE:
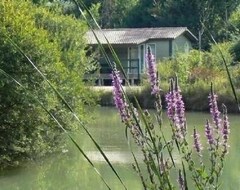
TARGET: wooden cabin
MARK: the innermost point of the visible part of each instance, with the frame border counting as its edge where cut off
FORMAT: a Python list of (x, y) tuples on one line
[(130, 45)]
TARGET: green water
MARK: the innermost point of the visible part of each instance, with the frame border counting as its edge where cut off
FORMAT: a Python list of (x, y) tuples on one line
[(70, 171)]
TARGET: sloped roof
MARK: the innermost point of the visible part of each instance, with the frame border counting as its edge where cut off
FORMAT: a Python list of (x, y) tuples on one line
[(137, 35)]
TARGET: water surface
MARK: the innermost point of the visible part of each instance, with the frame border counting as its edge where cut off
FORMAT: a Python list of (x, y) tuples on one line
[(70, 171)]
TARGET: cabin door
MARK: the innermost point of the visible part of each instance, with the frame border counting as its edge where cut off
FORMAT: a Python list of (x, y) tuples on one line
[(133, 60)]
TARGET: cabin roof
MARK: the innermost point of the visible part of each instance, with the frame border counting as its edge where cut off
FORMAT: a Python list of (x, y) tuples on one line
[(137, 35)]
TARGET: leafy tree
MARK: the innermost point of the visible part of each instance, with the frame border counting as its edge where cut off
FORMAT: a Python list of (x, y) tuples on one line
[(56, 44), (112, 13), (141, 15), (234, 27), (201, 17)]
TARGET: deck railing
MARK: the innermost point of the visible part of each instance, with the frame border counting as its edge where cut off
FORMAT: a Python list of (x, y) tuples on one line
[(131, 68)]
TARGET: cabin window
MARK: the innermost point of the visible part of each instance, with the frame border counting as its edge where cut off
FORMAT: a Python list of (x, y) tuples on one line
[(133, 60)]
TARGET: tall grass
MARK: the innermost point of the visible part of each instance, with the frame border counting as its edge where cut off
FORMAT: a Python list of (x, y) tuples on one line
[(157, 149)]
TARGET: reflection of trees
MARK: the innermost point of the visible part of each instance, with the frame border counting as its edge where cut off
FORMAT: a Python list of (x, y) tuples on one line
[(64, 171)]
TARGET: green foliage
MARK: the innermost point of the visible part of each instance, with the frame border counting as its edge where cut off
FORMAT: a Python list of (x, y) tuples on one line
[(201, 17), (56, 45), (197, 70), (234, 27), (197, 65), (111, 13), (236, 51)]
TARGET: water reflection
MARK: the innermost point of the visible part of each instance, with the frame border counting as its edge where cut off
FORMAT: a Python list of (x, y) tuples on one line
[(120, 157), (70, 171)]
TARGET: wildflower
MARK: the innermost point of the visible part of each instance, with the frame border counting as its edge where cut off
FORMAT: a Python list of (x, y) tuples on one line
[(130, 120), (197, 145), (170, 104), (225, 131), (152, 74), (118, 95), (181, 181), (209, 133), (214, 109), (180, 110), (176, 109)]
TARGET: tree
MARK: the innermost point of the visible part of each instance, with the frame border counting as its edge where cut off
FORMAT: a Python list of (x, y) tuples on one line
[(234, 27), (201, 17), (114, 12), (141, 15), (56, 44)]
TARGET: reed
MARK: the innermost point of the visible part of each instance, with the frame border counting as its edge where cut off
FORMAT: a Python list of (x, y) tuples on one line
[(147, 130)]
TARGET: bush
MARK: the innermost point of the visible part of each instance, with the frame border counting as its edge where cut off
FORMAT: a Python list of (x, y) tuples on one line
[(56, 45), (196, 70)]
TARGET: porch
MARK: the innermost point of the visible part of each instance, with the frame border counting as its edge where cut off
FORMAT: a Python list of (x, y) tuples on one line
[(131, 68)]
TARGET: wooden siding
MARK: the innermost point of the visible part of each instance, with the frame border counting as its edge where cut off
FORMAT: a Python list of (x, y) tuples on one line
[(162, 48), (181, 45)]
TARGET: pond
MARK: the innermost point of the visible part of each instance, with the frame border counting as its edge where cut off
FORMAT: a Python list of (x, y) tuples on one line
[(70, 171)]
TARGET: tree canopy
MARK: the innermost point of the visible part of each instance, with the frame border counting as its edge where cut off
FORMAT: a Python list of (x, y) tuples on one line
[(56, 44), (201, 17)]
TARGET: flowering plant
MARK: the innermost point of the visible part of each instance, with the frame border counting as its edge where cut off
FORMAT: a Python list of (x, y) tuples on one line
[(158, 151)]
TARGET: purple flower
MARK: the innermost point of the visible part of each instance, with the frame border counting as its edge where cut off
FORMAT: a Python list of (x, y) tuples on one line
[(152, 74), (209, 133), (170, 105), (197, 145), (225, 131), (176, 109), (118, 95), (180, 109), (214, 109)]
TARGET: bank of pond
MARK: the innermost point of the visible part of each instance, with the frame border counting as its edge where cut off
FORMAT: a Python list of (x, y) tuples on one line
[(69, 170), (195, 98)]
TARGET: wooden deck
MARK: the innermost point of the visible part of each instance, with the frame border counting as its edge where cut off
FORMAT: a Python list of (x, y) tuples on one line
[(103, 78), (106, 80), (110, 88)]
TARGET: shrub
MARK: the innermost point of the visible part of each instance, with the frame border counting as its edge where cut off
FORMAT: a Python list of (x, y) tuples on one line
[(55, 44)]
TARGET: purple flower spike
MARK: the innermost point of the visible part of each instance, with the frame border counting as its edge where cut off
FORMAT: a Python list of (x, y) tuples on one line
[(209, 133), (180, 109), (214, 109), (197, 144), (170, 105), (225, 131), (176, 109), (118, 95), (152, 74)]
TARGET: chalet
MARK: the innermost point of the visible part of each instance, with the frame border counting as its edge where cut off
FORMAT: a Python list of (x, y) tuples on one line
[(130, 45)]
